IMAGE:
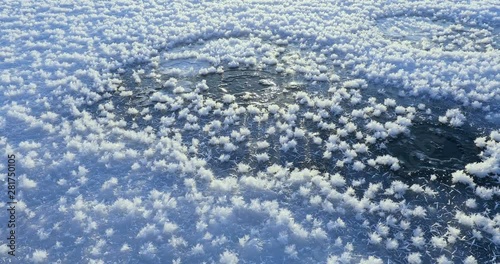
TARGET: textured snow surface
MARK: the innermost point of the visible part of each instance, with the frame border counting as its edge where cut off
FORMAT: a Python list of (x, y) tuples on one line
[(252, 132)]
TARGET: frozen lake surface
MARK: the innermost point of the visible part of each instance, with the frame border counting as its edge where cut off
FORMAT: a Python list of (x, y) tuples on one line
[(262, 132)]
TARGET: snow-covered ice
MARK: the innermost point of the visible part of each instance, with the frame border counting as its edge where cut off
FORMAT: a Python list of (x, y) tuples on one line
[(251, 132)]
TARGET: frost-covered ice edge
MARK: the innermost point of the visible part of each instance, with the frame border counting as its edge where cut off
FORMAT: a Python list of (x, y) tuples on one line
[(251, 132)]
